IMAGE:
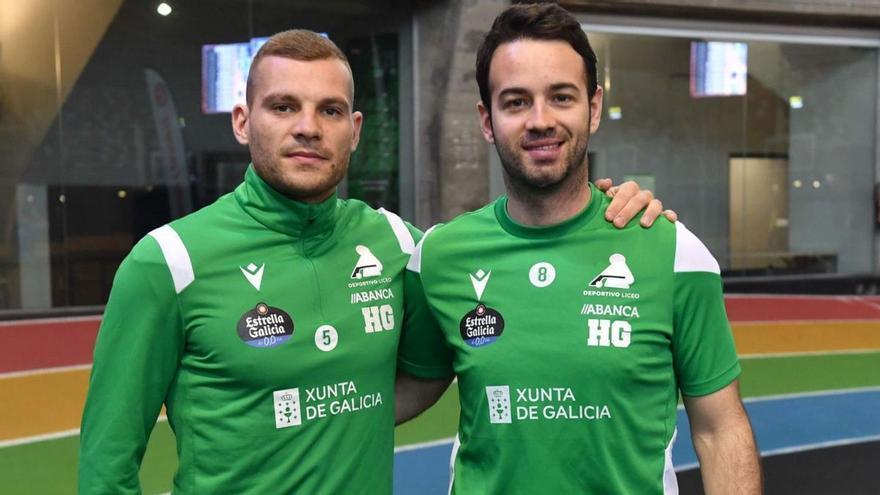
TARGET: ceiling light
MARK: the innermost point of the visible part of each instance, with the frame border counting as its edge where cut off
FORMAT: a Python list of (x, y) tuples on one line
[(163, 9)]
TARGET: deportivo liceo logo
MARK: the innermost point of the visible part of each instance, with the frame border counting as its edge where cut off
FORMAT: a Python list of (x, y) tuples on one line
[(368, 265), (616, 276)]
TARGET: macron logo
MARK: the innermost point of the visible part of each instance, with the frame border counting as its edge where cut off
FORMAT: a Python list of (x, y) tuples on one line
[(253, 274), (479, 281)]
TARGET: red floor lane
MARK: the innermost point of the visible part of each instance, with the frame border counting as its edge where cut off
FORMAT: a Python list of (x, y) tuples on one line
[(742, 308), (36, 344), (49, 343)]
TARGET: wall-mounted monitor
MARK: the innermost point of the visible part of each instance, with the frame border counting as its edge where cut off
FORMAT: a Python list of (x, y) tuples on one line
[(224, 74), (718, 68)]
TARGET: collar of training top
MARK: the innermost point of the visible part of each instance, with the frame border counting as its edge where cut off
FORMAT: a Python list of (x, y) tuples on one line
[(280, 213), (584, 219)]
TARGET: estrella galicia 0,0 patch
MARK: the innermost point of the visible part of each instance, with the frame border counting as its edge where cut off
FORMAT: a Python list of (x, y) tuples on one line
[(265, 326), (481, 326)]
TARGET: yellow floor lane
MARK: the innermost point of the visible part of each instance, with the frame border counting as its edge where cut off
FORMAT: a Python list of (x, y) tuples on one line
[(812, 336), (41, 403)]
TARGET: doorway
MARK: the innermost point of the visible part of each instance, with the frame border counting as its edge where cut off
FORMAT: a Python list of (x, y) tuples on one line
[(758, 212)]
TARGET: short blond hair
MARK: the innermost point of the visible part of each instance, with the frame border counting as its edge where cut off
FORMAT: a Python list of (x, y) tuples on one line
[(296, 44)]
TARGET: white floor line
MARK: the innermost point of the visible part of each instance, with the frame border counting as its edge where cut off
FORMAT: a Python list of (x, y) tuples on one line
[(802, 395), (843, 352), (47, 371), (796, 449), (424, 445), (686, 467), (802, 296), (40, 321), (39, 438), (820, 445), (50, 436), (816, 393)]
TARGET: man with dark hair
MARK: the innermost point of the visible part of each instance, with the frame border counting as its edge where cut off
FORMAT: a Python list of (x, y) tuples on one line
[(268, 322), (571, 340), (549, 22)]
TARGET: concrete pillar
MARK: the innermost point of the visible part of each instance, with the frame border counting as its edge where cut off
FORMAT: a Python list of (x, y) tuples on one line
[(451, 157)]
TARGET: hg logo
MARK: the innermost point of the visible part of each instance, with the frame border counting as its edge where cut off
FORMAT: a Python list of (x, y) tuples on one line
[(605, 333)]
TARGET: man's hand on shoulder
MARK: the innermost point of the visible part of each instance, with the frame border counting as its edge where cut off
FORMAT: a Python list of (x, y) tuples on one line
[(628, 199)]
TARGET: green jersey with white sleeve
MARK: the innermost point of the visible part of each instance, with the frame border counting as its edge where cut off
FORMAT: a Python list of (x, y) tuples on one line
[(571, 344)]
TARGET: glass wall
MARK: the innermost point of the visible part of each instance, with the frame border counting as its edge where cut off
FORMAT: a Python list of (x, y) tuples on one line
[(765, 148), (114, 120)]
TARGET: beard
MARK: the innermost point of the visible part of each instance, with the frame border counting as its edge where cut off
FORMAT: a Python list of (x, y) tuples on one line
[(542, 180), (307, 185)]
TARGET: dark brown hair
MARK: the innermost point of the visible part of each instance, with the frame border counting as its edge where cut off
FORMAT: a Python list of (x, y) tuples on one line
[(296, 44), (546, 21)]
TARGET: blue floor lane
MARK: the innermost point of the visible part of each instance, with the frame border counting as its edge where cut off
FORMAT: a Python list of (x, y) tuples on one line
[(799, 423)]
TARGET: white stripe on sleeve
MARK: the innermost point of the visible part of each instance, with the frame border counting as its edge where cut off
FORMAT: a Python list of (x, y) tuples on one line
[(415, 261), (404, 237), (691, 254), (176, 256)]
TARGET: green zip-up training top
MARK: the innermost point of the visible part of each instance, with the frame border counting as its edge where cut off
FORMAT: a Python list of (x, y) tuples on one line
[(269, 329)]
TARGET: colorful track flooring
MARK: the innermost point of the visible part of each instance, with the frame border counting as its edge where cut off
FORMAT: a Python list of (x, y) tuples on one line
[(811, 379)]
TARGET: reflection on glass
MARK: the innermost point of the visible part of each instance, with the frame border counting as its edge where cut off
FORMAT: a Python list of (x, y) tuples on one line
[(108, 131), (747, 169), (718, 68)]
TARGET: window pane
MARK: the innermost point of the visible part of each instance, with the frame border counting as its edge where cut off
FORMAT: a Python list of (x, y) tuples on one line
[(106, 134), (775, 175)]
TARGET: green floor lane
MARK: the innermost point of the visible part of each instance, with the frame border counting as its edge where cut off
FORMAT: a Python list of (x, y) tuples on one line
[(49, 467), (441, 421), (791, 375)]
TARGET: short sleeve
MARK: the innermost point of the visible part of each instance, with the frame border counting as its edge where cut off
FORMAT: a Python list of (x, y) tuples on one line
[(423, 350), (703, 348)]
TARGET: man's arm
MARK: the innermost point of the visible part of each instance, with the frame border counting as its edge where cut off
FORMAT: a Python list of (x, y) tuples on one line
[(412, 395), (724, 442), (628, 199), (136, 355), (424, 361)]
